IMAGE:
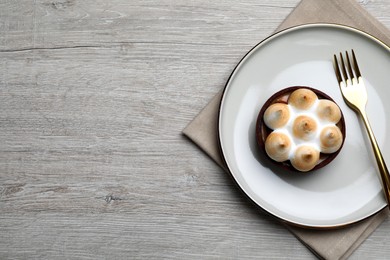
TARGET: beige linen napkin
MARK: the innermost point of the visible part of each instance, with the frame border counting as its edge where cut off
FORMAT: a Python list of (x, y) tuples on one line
[(327, 244)]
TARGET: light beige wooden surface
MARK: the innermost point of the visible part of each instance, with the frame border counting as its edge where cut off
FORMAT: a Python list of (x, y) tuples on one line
[(93, 98)]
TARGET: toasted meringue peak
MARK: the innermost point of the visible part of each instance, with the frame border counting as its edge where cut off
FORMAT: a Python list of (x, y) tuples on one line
[(328, 110), (304, 127), (302, 98), (278, 146), (331, 139), (305, 158), (276, 115)]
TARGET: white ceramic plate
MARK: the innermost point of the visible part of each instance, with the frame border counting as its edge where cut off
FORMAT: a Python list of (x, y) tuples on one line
[(346, 190)]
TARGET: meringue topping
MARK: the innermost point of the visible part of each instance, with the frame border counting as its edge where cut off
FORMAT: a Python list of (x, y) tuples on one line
[(328, 110), (276, 115), (278, 146), (305, 158), (302, 98), (302, 129), (331, 139)]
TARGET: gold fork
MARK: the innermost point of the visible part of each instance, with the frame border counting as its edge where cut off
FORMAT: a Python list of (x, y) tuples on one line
[(355, 95)]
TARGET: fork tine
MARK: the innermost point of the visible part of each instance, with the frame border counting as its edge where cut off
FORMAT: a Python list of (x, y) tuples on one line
[(337, 69), (345, 74), (349, 66), (355, 65)]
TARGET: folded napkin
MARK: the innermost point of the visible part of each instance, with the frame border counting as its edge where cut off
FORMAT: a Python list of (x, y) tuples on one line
[(327, 244)]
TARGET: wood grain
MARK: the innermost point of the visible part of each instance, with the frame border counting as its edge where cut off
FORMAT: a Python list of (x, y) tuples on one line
[(93, 98)]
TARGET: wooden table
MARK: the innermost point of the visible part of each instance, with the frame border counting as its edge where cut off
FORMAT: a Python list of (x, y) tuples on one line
[(93, 98)]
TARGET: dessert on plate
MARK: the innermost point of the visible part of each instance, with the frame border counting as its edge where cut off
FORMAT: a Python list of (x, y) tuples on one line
[(300, 128)]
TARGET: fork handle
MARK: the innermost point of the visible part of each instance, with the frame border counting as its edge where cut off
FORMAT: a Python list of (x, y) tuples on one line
[(384, 173)]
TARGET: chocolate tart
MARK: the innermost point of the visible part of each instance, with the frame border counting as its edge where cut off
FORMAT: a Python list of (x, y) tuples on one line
[(263, 131)]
